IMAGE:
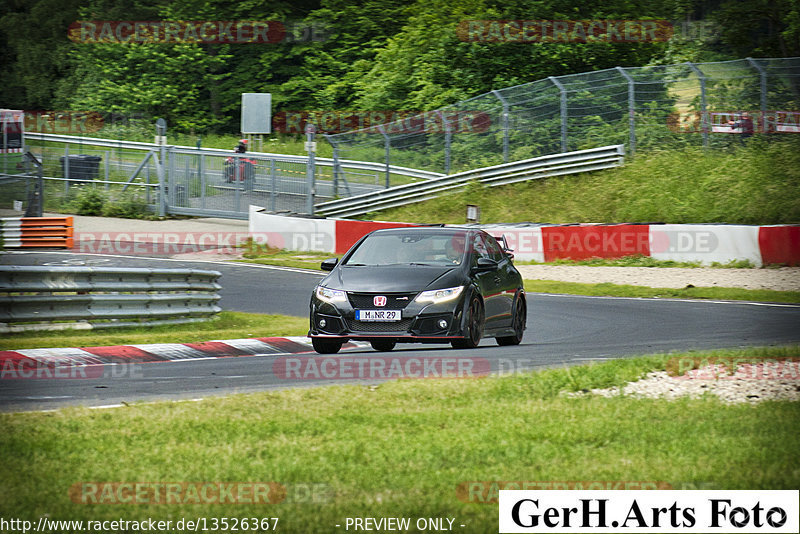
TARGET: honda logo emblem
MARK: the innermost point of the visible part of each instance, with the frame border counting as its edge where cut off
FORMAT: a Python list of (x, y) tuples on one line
[(379, 300)]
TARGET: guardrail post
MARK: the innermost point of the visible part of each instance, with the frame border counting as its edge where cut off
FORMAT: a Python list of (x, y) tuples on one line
[(703, 110), (763, 77), (563, 111), (448, 137), (504, 102), (631, 111), (387, 144)]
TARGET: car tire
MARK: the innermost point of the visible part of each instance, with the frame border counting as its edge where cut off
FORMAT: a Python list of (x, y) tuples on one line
[(326, 346), (383, 345), (474, 323), (517, 323)]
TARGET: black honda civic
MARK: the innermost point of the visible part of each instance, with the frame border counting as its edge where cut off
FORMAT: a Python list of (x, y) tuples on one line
[(419, 285)]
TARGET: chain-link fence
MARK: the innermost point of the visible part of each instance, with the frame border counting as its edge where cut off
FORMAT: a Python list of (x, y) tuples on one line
[(642, 107)]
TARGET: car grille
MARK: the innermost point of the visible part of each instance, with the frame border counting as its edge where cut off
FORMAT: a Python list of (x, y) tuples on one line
[(370, 326), (394, 301)]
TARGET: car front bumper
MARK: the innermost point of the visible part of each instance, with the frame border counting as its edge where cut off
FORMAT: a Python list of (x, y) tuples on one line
[(419, 323)]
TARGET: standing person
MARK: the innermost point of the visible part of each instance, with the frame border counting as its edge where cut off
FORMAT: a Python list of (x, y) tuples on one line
[(745, 122)]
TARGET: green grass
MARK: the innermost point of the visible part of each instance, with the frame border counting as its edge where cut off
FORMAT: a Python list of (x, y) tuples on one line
[(401, 449), (228, 325), (757, 184), (616, 290), (266, 255)]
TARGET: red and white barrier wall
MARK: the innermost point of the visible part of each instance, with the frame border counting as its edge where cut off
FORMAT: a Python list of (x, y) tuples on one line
[(705, 243)]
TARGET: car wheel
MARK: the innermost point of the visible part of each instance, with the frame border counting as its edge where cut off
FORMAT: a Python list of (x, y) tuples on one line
[(382, 345), (518, 324), (326, 346), (473, 326)]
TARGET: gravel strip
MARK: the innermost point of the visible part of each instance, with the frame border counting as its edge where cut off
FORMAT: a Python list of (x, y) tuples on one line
[(751, 383), (783, 279)]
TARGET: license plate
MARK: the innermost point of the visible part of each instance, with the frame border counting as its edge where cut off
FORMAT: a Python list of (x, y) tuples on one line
[(378, 315)]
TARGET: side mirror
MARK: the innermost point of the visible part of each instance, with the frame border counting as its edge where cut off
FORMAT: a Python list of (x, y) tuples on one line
[(485, 265), (329, 264)]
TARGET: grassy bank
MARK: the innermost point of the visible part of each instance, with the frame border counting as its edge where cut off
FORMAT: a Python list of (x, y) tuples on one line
[(756, 184), (403, 448)]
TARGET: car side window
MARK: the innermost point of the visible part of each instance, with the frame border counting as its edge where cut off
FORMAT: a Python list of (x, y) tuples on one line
[(479, 249), (494, 250)]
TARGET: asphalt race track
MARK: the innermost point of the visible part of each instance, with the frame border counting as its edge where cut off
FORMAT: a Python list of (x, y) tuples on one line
[(562, 329)]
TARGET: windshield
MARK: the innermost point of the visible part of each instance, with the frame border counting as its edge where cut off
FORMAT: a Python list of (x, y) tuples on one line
[(417, 247)]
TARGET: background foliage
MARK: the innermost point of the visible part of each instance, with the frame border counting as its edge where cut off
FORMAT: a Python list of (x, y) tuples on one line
[(374, 55)]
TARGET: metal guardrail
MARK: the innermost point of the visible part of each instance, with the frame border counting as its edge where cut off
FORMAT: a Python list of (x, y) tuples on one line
[(105, 297), (530, 169), (326, 162)]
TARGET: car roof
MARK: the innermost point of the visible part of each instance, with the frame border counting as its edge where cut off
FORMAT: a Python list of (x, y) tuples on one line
[(427, 230)]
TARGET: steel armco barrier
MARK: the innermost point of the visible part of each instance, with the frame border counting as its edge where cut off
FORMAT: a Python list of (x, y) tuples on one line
[(104, 297), (555, 165)]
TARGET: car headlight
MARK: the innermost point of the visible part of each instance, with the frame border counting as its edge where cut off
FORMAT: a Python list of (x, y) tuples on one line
[(331, 295), (440, 295)]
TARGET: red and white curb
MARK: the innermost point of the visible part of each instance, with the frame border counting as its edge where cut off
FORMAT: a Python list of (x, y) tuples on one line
[(161, 352)]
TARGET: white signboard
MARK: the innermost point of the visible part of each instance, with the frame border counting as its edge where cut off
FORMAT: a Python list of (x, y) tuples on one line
[(256, 113)]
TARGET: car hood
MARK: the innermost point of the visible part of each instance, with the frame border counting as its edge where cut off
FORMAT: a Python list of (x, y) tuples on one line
[(389, 279)]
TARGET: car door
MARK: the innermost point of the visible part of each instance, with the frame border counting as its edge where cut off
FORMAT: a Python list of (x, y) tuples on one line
[(488, 281), (506, 283)]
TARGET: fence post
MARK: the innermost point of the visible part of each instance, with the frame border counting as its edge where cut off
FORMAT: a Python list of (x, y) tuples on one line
[(273, 178), (66, 168), (310, 168), (201, 170), (172, 178), (448, 138), (763, 76), (335, 164), (631, 110), (162, 181), (563, 111), (35, 195), (703, 110), (387, 144), (504, 102)]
